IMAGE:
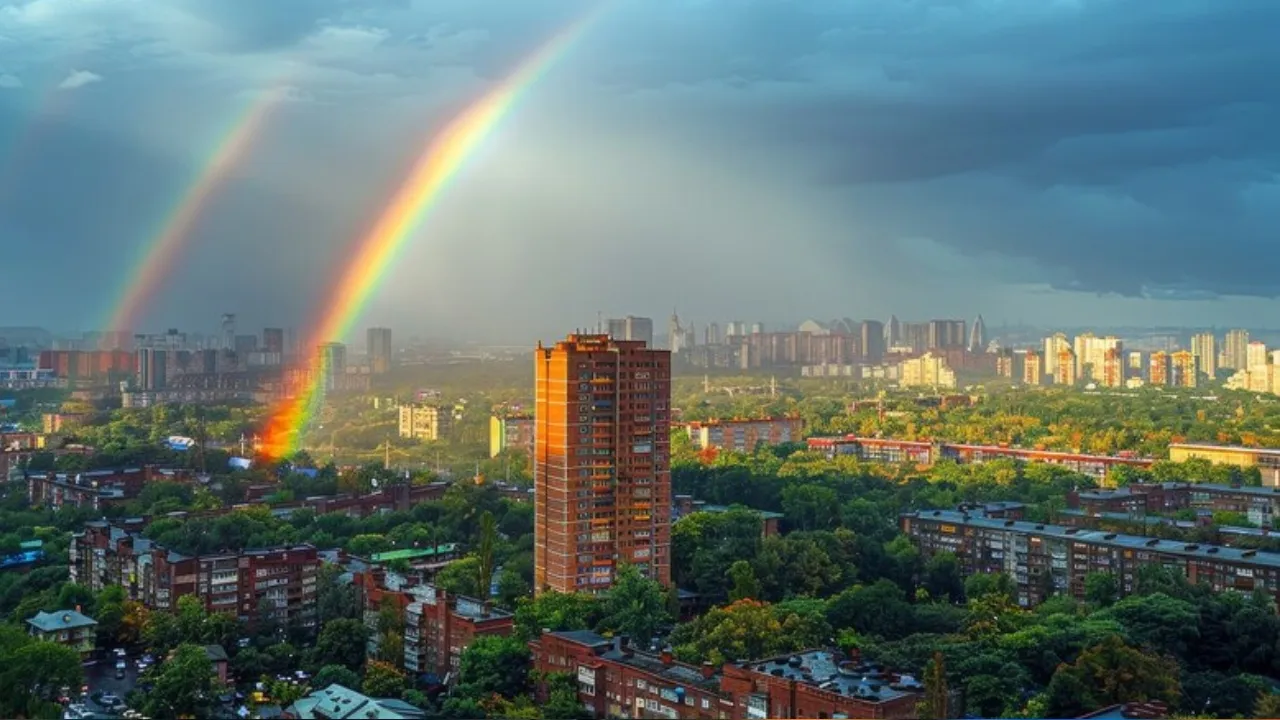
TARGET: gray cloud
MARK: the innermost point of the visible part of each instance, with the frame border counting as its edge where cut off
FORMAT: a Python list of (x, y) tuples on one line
[(827, 150)]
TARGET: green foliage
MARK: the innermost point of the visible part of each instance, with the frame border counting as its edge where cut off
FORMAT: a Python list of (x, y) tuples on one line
[(555, 611), (341, 642), (494, 665), (383, 680), (183, 685), (335, 675), (635, 606)]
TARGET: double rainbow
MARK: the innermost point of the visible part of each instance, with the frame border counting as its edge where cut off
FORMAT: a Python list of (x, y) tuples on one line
[(156, 260), (442, 159)]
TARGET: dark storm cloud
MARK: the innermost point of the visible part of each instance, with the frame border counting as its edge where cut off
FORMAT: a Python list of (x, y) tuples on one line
[(1116, 144)]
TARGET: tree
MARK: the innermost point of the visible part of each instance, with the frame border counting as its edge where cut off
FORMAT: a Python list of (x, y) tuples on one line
[(562, 698), (383, 680), (1268, 705), (937, 698), (555, 611), (34, 673), (1110, 673), (739, 631), (335, 599), (745, 584), (335, 675), (494, 665), (459, 578), (635, 606), (1101, 589), (982, 584), (341, 642), (183, 686)]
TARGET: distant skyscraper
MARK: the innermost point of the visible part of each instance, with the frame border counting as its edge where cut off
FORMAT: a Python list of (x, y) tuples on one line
[(1182, 366), (1031, 368), (1256, 354), (152, 369), (945, 334), (273, 340), (872, 340), (601, 465), (632, 328), (246, 344), (1053, 347), (331, 362), (379, 350), (893, 333), (978, 336), (1237, 349), (1204, 348), (228, 332)]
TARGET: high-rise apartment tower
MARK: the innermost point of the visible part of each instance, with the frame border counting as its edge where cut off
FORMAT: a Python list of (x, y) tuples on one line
[(602, 468), (379, 350)]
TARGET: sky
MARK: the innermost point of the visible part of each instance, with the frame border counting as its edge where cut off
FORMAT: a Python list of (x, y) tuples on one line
[(1052, 162)]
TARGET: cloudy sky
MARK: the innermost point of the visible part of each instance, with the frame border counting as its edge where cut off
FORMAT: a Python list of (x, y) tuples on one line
[(1049, 161)]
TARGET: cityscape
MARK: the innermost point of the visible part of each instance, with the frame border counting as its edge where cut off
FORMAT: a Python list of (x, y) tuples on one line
[(592, 359)]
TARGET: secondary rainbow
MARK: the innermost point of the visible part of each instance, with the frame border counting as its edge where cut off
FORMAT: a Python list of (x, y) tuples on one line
[(445, 155), (156, 260)]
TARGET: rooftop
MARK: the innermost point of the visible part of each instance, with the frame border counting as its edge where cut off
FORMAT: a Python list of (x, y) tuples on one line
[(1186, 550), (1226, 448), (827, 671), (60, 620), (616, 650), (340, 703), (414, 553)]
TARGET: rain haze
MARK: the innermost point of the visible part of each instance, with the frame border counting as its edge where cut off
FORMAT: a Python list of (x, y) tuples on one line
[(1056, 162)]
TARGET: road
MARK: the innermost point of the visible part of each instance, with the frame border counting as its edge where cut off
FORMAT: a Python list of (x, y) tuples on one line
[(101, 678)]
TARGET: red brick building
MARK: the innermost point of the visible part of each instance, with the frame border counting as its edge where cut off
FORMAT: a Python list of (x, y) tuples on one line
[(924, 452), (96, 489), (278, 582), (618, 680), (744, 434), (438, 626), (602, 462)]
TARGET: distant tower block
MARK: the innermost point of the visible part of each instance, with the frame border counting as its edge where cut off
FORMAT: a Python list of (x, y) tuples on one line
[(229, 331)]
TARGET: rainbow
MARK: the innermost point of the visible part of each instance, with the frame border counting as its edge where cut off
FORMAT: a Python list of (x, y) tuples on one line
[(158, 255), (445, 155)]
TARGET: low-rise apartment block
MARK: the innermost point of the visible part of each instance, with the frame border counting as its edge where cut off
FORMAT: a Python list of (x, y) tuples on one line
[(743, 434), (1260, 504), (438, 626), (1267, 460), (279, 583), (96, 489), (1044, 560), (924, 452), (616, 679)]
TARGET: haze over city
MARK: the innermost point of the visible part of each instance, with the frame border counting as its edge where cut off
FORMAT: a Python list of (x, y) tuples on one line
[(1051, 162)]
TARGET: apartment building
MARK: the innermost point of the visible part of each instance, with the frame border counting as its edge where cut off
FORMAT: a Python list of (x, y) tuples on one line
[(923, 452), (1031, 369), (744, 434), (97, 489), (425, 422), (438, 626), (602, 462), (279, 583), (511, 432), (617, 679), (1267, 460), (1044, 559)]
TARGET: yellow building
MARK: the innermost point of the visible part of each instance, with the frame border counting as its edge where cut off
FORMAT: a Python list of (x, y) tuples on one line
[(514, 432), (1266, 460), (927, 370), (424, 422)]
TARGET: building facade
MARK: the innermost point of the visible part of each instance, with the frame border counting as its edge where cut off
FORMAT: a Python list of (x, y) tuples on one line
[(922, 452), (96, 489), (65, 627), (511, 432), (1044, 560), (276, 583), (602, 462), (379, 350), (744, 434), (425, 422)]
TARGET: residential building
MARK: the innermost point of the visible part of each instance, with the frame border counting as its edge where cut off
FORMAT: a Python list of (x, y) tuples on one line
[(331, 364), (1112, 368), (96, 489), (341, 703), (1236, 350), (152, 369), (617, 678), (923, 452), (279, 583), (1160, 369), (1004, 363), (1044, 560), (1266, 460), (745, 434), (1065, 368), (1053, 347), (602, 462), (978, 336), (632, 328), (871, 338), (1031, 368), (1182, 369), (273, 340), (379, 350), (438, 626), (928, 370), (425, 422), (1204, 348), (65, 627), (511, 432)]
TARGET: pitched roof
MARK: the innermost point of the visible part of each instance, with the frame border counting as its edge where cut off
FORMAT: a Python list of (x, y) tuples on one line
[(60, 620)]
